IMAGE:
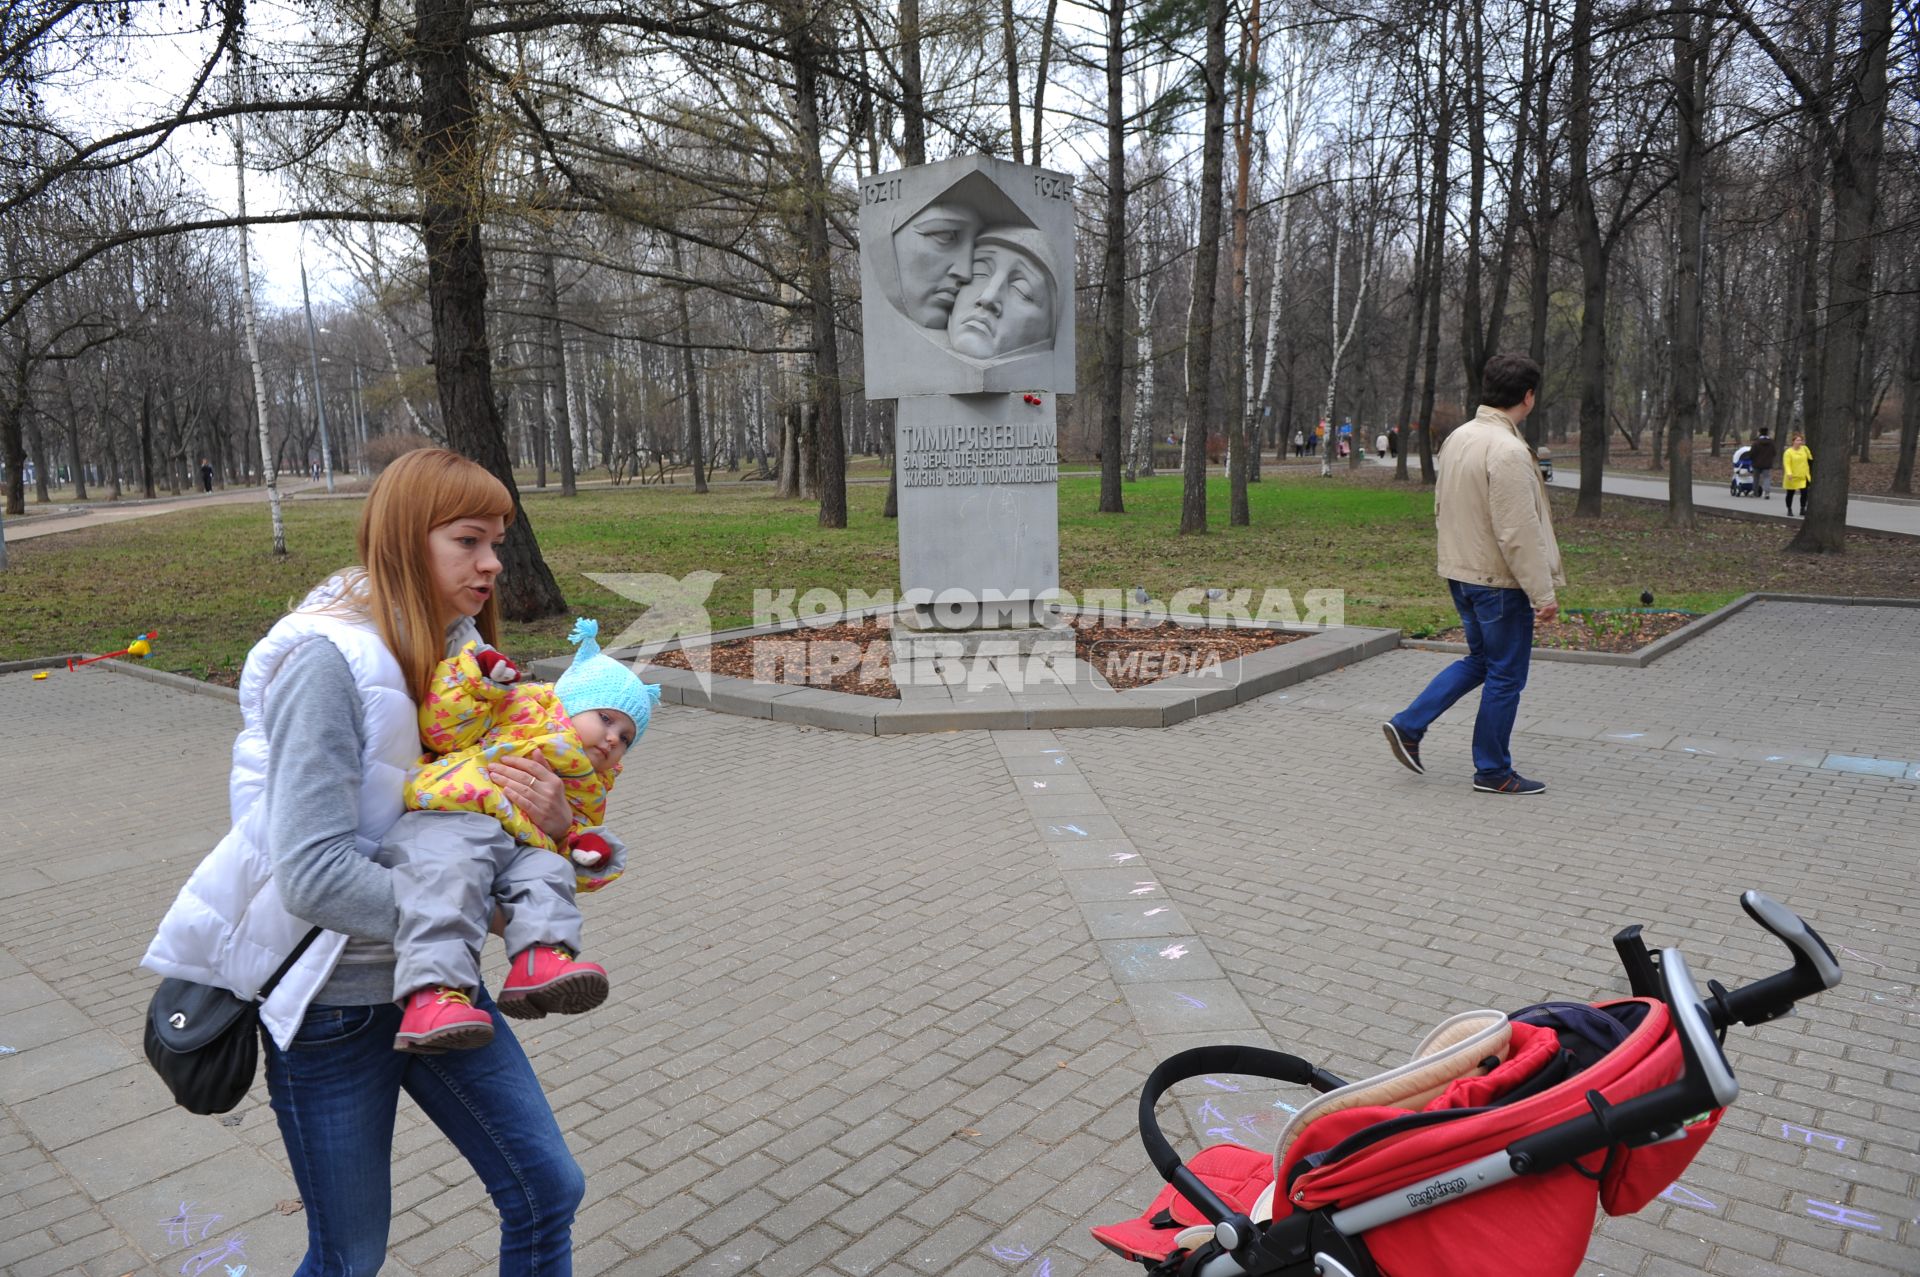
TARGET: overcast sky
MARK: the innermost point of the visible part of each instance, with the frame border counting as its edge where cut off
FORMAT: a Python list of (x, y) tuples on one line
[(154, 70)]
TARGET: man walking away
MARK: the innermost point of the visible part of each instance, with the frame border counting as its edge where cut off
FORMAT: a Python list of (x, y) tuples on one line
[(1761, 457), (1501, 562)]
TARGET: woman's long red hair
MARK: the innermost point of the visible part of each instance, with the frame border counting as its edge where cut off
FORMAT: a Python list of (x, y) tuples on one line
[(423, 490)]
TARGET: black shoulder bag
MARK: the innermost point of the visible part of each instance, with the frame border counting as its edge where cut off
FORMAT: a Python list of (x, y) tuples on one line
[(204, 1042)]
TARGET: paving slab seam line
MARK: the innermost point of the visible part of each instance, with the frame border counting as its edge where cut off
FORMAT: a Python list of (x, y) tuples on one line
[(1808, 757), (1178, 994)]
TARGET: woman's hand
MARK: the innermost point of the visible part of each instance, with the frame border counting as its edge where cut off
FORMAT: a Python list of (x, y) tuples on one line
[(535, 789)]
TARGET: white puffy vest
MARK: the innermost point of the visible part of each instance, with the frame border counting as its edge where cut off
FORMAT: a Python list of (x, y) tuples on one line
[(227, 927)]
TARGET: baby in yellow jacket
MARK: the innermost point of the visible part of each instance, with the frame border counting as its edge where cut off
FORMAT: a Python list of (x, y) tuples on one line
[(450, 875)]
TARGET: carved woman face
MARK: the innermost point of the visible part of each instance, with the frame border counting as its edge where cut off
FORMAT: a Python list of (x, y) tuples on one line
[(935, 251), (1006, 304)]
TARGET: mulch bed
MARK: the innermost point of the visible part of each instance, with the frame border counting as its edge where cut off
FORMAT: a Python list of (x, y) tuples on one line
[(1597, 631), (862, 670), (1127, 656)]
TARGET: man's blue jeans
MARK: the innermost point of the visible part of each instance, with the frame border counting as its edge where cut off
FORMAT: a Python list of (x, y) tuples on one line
[(335, 1091), (1499, 626)]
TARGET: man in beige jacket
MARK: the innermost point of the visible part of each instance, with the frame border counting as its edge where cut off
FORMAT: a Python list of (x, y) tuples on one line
[(1501, 562)]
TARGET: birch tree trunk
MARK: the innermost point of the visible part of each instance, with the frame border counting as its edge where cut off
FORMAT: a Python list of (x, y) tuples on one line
[(1114, 273), (1140, 449), (1340, 341), (268, 473)]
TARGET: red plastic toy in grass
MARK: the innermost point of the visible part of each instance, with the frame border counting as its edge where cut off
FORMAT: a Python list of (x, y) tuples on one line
[(140, 647)]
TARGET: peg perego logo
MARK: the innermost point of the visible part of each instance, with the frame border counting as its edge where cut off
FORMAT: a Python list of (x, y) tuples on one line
[(1436, 1192)]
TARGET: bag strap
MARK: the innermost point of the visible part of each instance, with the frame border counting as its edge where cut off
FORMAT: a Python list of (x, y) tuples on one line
[(287, 966)]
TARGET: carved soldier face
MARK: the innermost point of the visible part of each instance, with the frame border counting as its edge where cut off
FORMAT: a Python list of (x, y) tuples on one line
[(1006, 304), (935, 252)]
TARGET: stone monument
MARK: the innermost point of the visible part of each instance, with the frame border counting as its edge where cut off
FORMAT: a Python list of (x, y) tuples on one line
[(967, 301)]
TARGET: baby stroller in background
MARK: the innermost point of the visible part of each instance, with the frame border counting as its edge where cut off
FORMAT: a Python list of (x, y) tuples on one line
[(1486, 1153), (1743, 483)]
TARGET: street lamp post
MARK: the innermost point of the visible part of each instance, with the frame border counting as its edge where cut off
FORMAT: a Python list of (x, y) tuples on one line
[(313, 351)]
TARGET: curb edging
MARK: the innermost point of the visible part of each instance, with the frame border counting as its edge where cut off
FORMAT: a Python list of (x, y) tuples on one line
[(1643, 657)]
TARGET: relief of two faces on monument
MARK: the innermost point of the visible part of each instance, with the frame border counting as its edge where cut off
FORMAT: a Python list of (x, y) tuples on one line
[(974, 270)]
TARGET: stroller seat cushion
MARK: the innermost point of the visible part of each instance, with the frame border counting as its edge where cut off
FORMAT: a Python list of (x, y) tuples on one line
[(1461, 1047), (1239, 1175)]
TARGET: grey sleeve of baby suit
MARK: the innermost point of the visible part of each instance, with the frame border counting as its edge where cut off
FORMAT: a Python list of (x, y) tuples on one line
[(315, 741)]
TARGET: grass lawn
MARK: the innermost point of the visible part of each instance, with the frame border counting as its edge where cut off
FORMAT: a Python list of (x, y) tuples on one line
[(205, 580)]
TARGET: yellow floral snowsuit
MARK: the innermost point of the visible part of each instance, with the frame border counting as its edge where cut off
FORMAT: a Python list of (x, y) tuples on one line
[(468, 721)]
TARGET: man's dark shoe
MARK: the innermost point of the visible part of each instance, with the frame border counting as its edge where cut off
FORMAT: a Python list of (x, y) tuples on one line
[(1405, 748), (1515, 783)]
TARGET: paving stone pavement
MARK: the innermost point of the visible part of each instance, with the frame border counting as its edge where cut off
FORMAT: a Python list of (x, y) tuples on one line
[(880, 1009)]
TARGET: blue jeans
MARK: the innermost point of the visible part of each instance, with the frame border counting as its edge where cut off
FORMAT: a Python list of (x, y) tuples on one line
[(335, 1091), (1499, 626)]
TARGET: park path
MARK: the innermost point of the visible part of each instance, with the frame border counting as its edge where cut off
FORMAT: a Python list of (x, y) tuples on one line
[(883, 1005), (94, 514), (1864, 514)]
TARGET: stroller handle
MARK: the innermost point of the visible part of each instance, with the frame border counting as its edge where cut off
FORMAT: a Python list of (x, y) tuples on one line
[(1814, 967), (1247, 1061)]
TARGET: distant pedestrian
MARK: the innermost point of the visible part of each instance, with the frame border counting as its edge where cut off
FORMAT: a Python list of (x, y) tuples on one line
[(1393, 442), (1501, 561), (1796, 472), (1760, 456), (206, 475), (1380, 444), (1299, 443)]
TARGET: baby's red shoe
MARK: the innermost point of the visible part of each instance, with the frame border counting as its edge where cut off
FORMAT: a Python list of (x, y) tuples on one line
[(545, 978), (440, 1019)]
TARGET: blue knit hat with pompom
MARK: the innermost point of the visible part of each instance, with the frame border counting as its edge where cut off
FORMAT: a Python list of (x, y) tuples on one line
[(597, 681)]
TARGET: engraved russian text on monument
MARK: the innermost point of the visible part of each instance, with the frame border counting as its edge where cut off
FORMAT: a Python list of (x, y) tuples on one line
[(961, 455)]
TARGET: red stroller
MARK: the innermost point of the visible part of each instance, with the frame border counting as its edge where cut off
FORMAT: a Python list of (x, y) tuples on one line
[(1497, 1139)]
